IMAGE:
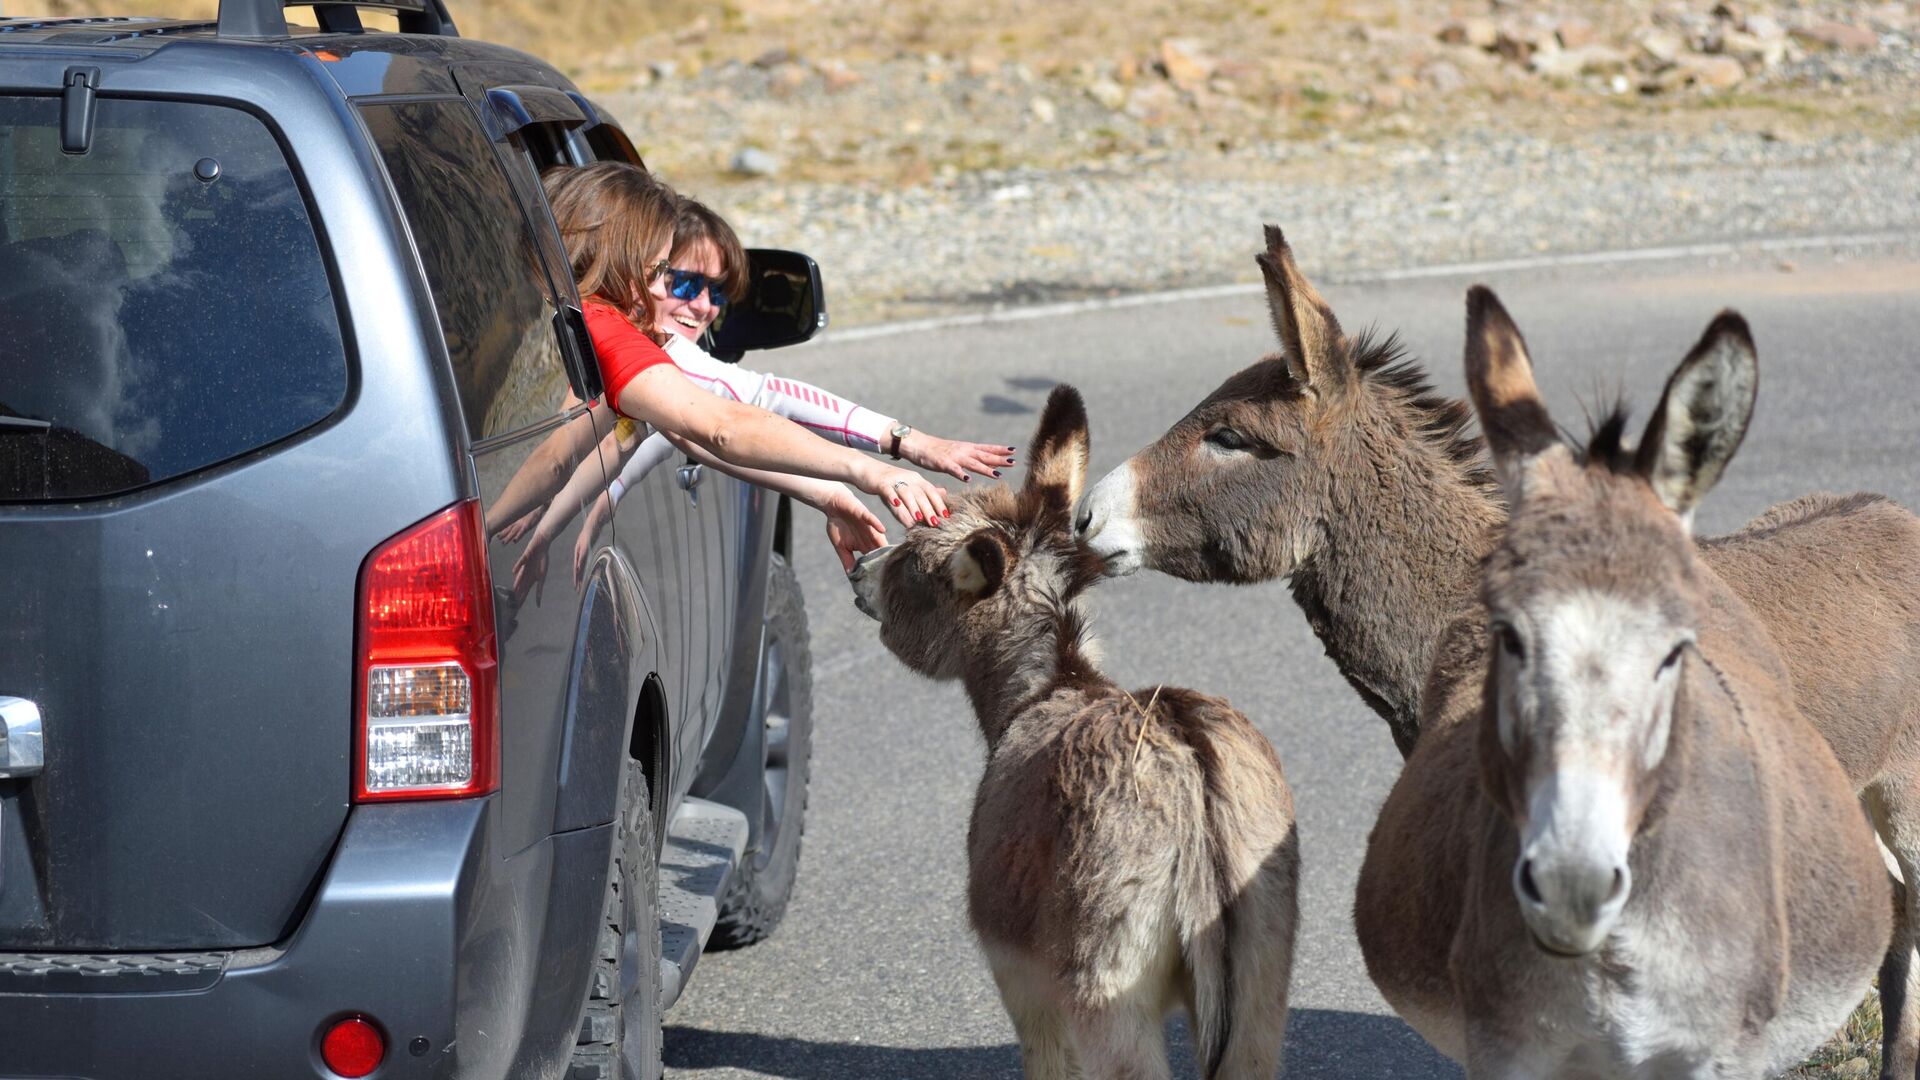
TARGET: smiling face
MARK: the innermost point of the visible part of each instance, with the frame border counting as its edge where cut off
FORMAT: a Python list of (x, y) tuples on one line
[(688, 318)]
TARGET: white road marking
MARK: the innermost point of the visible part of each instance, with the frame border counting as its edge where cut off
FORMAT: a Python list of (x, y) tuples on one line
[(1415, 273)]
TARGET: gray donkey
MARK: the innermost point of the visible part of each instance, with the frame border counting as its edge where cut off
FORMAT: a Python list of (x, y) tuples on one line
[(1332, 464), (1618, 849), (1129, 854)]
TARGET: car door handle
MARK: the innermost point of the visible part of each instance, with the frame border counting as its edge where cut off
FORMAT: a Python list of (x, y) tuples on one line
[(21, 753), (689, 477)]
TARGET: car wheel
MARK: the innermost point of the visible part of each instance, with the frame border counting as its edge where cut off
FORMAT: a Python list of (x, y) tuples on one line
[(620, 1025), (757, 897)]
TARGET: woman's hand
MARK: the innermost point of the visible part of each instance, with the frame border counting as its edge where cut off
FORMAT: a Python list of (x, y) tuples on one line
[(514, 530), (597, 515), (530, 571), (910, 496), (851, 528), (953, 457)]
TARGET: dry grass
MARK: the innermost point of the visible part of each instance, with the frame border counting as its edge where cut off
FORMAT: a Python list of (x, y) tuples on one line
[(1858, 1041), (541, 28)]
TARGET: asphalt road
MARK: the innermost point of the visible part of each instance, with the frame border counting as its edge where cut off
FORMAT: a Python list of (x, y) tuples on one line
[(874, 973)]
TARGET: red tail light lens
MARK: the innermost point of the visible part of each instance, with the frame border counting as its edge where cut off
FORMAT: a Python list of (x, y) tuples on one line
[(426, 700), (353, 1047)]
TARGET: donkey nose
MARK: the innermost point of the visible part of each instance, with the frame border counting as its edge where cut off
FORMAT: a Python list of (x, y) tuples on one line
[(1083, 520), (1570, 904)]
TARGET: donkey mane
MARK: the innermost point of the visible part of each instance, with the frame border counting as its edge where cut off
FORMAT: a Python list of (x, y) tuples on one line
[(1444, 423), (1607, 446)]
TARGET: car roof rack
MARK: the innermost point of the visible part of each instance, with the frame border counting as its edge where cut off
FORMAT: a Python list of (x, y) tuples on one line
[(268, 18)]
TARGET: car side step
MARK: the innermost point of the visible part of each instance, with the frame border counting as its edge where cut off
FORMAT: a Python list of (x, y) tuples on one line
[(704, 843)]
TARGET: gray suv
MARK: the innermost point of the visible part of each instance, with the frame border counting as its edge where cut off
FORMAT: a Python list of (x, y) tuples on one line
[(304, 769)]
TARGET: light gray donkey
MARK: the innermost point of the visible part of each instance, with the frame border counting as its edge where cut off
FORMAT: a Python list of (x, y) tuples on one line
[(1618, 849), (1130, 854)]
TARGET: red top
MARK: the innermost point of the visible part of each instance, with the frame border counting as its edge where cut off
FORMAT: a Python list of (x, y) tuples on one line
[(623, 350)]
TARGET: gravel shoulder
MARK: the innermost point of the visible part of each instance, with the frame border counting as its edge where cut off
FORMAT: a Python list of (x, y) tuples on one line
[(996, 239)]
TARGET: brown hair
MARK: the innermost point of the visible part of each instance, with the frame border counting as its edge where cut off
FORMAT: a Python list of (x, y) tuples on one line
[(694, 222), (613, 217)]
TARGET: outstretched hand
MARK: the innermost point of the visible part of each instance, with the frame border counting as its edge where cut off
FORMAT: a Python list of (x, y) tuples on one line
[(530, 572), (953, 457), (908, 494), (514, 530), (852, 529)]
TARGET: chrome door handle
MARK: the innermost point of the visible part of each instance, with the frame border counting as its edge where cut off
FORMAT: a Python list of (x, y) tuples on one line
[(21, 753), (689, 476)]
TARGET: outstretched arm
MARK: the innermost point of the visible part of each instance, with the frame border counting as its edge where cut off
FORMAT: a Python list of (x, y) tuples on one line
[(834, 417), (851, 527), (751, 437)]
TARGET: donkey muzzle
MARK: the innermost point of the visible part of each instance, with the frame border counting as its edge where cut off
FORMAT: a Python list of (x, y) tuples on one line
[(1572, 879), (865, 579), (1104, 521)]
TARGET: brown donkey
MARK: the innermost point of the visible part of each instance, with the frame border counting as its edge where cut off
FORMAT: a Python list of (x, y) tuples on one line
[(1334, 465), (1130, 854), (1618, 849)]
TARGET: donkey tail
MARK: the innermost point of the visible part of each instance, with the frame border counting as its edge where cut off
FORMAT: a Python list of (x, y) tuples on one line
[(1206, 938), (1240, 948)]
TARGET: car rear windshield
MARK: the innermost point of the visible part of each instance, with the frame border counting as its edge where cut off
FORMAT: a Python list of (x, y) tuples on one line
[(163, 301)]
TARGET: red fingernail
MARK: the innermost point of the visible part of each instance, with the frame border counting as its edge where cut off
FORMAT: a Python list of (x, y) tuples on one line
[(918, 516), (896, 502)]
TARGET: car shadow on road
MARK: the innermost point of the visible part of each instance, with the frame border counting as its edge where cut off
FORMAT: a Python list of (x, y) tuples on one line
[(1320, 1044)]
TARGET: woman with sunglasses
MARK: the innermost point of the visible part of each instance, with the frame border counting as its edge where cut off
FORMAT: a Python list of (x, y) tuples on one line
[(707, 271), (617, 224)]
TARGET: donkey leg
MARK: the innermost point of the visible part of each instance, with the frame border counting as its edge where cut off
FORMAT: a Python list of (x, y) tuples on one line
[(1122, 1039), (1894, 806), (1039, 1022)]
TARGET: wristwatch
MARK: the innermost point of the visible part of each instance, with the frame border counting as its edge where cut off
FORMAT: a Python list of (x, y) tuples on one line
[(898, 431)]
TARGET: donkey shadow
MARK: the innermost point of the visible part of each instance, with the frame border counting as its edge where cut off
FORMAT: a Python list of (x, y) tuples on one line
[(1321, 1044)]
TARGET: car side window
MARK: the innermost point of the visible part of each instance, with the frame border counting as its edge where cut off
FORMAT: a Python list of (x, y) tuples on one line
[(489, 283)]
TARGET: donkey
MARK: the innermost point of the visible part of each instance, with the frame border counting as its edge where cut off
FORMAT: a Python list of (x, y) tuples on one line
[(1619, 850), (1334, 465), (1129, 854)]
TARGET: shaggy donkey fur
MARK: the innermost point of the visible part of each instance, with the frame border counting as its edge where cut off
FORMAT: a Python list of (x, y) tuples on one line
[(1618, 850), (1130, 854)]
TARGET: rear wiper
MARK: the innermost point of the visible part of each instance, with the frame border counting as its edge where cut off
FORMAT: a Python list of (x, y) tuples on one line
[(25, 422)]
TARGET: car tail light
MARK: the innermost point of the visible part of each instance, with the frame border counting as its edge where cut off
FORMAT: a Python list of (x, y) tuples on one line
[(426, 701), (352, 1047)]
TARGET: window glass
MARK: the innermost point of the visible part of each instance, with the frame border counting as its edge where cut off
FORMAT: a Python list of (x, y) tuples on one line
[(163, 301), (496, 306)]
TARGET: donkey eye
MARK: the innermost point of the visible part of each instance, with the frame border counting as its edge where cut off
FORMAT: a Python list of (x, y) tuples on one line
[(1673, 657), (1228, 439), (1509, 639)]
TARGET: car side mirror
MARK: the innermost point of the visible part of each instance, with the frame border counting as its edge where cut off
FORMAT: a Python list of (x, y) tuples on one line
[(785, 305)]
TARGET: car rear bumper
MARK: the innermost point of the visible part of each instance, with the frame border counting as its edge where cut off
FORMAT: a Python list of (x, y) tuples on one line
[(418, 926)]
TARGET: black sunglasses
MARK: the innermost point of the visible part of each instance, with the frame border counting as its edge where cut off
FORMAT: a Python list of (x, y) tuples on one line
[(686, 284)]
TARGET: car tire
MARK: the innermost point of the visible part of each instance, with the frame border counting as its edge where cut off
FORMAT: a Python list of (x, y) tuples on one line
[(756, 898), (620, 1024)]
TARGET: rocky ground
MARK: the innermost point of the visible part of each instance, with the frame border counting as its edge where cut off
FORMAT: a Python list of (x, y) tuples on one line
[(932, 169), (939, 157)]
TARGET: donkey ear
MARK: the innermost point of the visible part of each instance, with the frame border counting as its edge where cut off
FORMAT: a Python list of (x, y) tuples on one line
[(1305, 324), (978, 566), (1702, 416), (1057, 457), (1500, 380)]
